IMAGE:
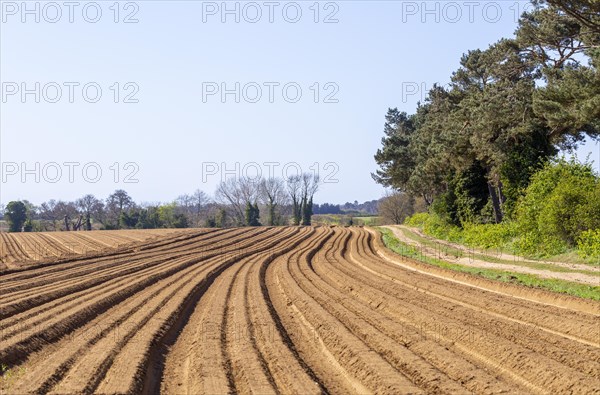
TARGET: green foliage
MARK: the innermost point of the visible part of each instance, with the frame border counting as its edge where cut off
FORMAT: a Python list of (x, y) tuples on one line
[(395, 157), (16, 215), (489, 235), (367, 220), (573, 119), (307, 211), (129, 219), (559, 210), (153, 217), (149, 219), (221, 218), (521, 163), (589, 244), (435, 226), (180, 221), (553, 38), (471, 148), (417, 220), (252, 214), (211, 222), (28, 227), (561, 202), (466, 199), (529, 280)]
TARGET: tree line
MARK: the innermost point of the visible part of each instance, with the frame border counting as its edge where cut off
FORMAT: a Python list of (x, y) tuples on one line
[(237, 202), (473, 145)]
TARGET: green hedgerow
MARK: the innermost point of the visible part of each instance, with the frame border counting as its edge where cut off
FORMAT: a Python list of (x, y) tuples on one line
[(588, 244)]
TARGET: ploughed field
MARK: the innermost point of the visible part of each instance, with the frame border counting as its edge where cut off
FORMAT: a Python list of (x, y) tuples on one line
[(284, 310), (25, 249)]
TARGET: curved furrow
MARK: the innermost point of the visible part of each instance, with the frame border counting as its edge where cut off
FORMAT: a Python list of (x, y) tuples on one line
[(59, 271), (200, 357), (515, 296), (352, 353), (45, 273), (575, 355), (18, 248), (357, 309), (88, 242), (37, 310), (289, 371), (278, 310), (54, 244), (35, 297), (155, 340), (464, 323), (47, 310), (249, 366), (15, 348), (95, 266), (57, 265), (102, 334), (14, 254), (29, 247), (426, 336), (81, 369), (576, 325), (307, 341), (535, 371), (340, 304), (99, 241), (6, 251)]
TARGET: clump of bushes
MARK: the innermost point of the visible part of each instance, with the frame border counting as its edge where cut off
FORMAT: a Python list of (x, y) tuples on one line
[(558, 211), (417, 220), (588, 244), (490, 235), (435, 226), (561, 202)]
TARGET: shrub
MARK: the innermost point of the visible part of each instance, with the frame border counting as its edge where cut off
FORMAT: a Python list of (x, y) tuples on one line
[(589, 244), (490, 235), (417, 220), (559, 210), (434, 225), (560, 203)]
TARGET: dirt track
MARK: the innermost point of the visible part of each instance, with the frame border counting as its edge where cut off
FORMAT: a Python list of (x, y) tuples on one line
[(584, 275), (288, 310)]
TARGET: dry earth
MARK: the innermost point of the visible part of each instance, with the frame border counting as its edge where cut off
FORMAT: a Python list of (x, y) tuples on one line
[(285, 310), (29, 249)]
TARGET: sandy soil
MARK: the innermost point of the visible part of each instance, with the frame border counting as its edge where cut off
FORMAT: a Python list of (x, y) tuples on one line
[(286, 310), (19, 250)]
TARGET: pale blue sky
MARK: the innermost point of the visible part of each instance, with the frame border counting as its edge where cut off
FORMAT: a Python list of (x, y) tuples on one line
[(374, 49)]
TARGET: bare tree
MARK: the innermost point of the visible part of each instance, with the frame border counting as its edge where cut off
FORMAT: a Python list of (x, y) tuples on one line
[(90, 206), (396, 206), (184, 205), (272, 192), (199, 201), (238, 192), (47, 213), (66, 211), (116, 204), (192, 206)]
